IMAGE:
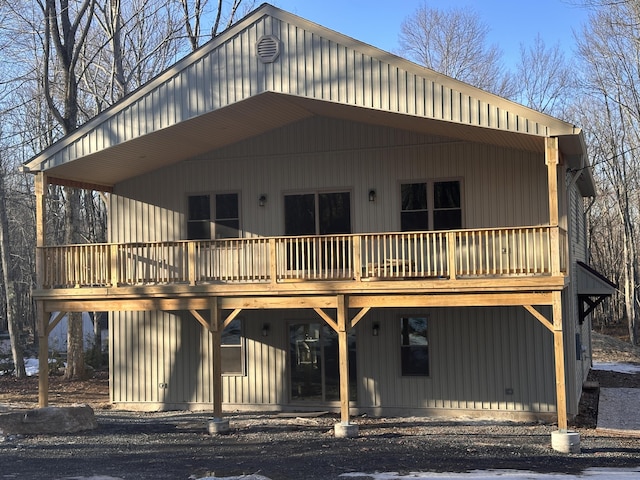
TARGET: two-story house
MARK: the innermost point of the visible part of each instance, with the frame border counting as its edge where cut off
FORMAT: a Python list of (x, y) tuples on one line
[(298, 220)]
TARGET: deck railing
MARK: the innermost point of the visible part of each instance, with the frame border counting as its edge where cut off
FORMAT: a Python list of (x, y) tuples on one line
[(458, 254)]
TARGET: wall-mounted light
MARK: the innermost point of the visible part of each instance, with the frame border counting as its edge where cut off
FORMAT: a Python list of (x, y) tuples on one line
[(375, 330), (372, 195), (265, 329), (262, 200)]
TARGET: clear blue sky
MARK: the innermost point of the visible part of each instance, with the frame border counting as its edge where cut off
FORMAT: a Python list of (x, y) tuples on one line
[(511, 22)]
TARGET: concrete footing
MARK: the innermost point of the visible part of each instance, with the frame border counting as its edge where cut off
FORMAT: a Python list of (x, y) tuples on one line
[(565, 441), (345, 430), (218, 425)]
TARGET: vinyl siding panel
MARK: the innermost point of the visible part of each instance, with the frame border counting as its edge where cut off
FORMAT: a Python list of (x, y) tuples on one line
[(476, 354), (314, 63), (501, 187)]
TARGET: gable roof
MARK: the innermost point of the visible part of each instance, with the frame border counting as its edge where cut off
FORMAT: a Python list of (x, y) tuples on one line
[(273, 68)]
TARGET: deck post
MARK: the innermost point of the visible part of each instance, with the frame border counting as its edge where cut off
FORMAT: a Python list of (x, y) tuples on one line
[(558, 348), (43, 355), (40, 184), (344, 428), (216, 424), (273, 258), (552, 159), (451, 254), (216, 336), (357, 258)]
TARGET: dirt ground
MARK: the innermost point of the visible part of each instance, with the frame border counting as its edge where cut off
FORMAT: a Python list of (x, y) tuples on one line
[(175, 445)]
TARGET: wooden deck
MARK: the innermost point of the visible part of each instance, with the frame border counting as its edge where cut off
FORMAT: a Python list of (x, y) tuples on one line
[(483, 260)]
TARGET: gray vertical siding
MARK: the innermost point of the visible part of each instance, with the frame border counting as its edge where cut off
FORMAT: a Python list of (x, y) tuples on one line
[(476, 354), (502, 187), (314, 62)]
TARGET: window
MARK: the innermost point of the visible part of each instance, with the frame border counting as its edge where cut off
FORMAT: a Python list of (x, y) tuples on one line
[(415, 214), (226, 220), (317, 213), (447, 212), (232, 343), (326, 213), (199, 219), (414, 346), (431, 206)]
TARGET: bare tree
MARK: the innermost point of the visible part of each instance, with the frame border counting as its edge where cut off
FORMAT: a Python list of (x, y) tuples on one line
[(454, 42), (9, 281), (195, 11), (546, 81), (610, 54), (66, 27)]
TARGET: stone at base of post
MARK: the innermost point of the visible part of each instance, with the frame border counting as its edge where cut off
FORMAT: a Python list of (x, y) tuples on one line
[(565, 441), (217, 426), (346, 430)]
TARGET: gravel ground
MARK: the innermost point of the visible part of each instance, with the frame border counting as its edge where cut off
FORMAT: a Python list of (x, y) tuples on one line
[(175, 445)]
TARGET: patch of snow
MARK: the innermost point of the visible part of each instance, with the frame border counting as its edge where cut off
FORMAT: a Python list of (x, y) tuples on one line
[(95, 477), (617, 367), (589, 474), (241, 477), (5, 346)]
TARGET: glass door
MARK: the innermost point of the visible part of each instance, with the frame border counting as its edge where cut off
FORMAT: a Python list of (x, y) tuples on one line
[(314, 363)]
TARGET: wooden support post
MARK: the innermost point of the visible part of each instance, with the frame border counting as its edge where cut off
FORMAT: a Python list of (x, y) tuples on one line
[(451, 254), (43, 321), (191, 254), (273, 259), (41, 225), (113, 265), (343, 354), (216, 336), (552, 159), (357, 258), (43, 355), (558, 348)]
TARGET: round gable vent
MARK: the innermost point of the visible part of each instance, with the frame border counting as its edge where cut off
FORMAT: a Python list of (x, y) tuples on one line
[(268, 48)]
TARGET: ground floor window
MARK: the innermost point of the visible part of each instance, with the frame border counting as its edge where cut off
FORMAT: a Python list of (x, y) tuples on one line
[(414, 346), (314, 363), (232, 349)]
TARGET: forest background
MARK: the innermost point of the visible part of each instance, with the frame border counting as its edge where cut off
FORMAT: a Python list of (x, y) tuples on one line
[(65, 61)]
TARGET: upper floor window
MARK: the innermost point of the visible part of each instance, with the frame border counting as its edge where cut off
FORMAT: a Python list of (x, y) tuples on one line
[(431, 205), (324, 213), (225, 218)]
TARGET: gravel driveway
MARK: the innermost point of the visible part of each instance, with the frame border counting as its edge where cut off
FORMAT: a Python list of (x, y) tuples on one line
[(176, 446)]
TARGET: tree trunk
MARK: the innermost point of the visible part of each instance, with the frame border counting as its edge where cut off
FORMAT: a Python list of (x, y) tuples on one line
[(75, 349), (9, 288)]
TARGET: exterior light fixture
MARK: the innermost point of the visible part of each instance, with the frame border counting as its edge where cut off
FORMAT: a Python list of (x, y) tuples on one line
[(375, 331), (265, 330), (262, 200), (372, 195)]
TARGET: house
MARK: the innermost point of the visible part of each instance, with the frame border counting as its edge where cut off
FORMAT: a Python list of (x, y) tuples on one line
[(298, 220)]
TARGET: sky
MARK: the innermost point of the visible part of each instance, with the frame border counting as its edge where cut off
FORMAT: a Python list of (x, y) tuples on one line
[(511, 22)]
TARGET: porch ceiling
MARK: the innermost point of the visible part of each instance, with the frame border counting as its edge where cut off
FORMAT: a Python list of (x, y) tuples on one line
[(246, 119)]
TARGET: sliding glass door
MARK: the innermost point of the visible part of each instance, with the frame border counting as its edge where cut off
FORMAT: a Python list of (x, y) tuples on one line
[(314, 363)]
